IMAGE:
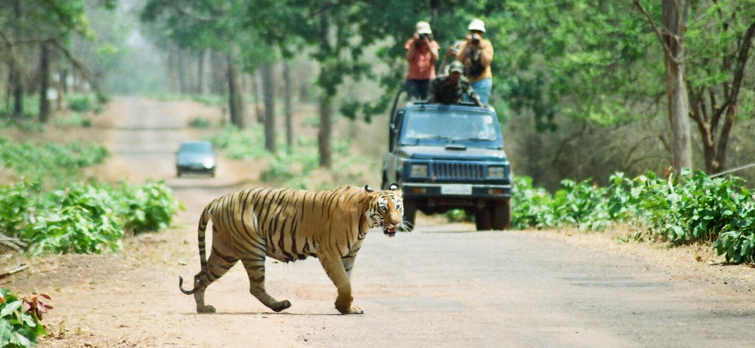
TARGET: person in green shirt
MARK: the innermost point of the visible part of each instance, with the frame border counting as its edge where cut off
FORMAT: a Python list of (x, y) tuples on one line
[(450, 89)]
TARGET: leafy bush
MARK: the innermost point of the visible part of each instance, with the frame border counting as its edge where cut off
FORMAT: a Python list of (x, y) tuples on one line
[(691, 208), (20, 319), (84, 218), (75, 120), (41, 162), (200, 122), (456, 215), (531, 207), (149, 207), (80, 102), (15, 208), (79, 219), (238, 144)]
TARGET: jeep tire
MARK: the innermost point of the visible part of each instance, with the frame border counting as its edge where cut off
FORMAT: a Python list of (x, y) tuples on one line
[(410, 213), (483, 220), (501, 214)]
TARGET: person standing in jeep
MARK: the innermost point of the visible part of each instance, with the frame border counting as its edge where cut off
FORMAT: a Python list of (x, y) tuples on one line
[(421, 54), (476, 54)]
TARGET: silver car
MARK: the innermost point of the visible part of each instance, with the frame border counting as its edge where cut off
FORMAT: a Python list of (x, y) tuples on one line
[(196, 157)]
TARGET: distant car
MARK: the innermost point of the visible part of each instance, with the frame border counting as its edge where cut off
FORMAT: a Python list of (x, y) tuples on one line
[(196, 157)]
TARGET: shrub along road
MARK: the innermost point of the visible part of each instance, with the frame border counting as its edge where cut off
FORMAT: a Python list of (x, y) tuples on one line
[(440, 286)]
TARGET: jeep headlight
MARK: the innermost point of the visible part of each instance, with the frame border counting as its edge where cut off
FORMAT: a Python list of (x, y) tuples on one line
[(418, 170), (496, 172), (208, 163)]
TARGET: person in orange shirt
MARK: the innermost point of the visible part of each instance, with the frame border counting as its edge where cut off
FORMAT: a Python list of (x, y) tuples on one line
[(421, 54), (476, 54)]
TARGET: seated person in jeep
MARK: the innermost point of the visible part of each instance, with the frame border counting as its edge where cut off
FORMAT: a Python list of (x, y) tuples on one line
[(451, 88)]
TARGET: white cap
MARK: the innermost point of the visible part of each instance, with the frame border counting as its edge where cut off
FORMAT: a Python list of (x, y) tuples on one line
[(477, 24), (423, 28)]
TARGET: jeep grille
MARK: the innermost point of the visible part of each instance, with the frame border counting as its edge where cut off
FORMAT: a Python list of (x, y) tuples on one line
[(457, 170)]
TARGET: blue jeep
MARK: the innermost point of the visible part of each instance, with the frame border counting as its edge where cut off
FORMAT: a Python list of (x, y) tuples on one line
[(450, 157)]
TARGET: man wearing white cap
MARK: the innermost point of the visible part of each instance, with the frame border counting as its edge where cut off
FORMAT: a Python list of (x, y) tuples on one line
[(421, 53), (476, 54)]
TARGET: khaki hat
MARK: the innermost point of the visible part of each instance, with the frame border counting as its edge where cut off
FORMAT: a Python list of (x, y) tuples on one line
[(423, 28), (477, 24), (456, 66)]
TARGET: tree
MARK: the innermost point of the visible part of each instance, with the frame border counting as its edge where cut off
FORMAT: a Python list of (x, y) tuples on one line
[(287, 106), (674, 21), (720, 47), (48, 24), (196, 25), (268, 89)]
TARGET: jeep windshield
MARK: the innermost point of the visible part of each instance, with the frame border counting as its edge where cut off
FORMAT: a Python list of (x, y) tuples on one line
[(440, 127)]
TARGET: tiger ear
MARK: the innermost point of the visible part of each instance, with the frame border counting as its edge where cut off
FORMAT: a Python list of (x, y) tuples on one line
[(393, 187), (368, 188)]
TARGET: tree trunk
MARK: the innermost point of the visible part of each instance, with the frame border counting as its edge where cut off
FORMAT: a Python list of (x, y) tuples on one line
[(256, 97), (201, 81), (288, 107), (675, 14), (183, 82), (235, 98), (174, 82), (17, 85), (323, 138), (326, 99), (268, 90), (44, 82)]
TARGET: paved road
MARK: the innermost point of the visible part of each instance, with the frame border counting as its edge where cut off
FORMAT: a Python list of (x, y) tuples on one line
[(440, 286)]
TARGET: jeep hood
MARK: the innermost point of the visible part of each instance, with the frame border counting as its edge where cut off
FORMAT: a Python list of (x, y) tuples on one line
[(441, 153)]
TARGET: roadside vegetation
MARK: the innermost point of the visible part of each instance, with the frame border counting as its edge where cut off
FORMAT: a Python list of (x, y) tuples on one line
[(49, 209), (690, 208), (20, 319), (296, 167)]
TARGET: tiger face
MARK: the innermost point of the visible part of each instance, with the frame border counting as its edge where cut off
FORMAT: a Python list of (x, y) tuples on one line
[(386, 209)]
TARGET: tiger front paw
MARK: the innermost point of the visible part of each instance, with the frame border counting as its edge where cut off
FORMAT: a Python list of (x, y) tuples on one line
[(351, 310)]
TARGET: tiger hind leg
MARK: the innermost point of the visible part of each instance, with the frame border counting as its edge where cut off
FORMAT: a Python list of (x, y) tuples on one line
[(217, 265), (255, 269)]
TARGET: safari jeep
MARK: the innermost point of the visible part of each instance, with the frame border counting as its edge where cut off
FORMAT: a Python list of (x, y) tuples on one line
[(450, 157)]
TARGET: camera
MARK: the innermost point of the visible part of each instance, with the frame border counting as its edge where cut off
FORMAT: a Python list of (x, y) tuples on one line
[(424, 36), (475, 40)]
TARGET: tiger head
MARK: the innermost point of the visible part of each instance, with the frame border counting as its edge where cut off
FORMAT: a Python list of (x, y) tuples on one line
[(386, 209)]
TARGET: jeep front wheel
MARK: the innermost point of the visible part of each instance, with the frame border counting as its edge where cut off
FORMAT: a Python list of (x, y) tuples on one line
[(501, 212), (483, 220), (410, 213)]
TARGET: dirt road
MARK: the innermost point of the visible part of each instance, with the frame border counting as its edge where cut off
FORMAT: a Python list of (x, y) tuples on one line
[(440, 286)]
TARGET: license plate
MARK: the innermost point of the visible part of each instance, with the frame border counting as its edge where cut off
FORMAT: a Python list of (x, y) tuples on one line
[(456, 189)]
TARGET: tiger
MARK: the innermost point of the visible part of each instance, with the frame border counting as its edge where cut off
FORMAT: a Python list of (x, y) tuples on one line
[(289, 225)]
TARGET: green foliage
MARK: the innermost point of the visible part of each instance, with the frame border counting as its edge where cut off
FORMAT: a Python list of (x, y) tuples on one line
[(84, 218), (78, 219), (456, 215), (697, 208), (80, 102), (20, 318), (15, 207), (148, 207), (200, 122), (75, 120), (292, 168), (50, 160), (238, 144)]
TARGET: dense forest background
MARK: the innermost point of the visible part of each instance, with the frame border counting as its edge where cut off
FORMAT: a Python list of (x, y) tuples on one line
[(583, 87)]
